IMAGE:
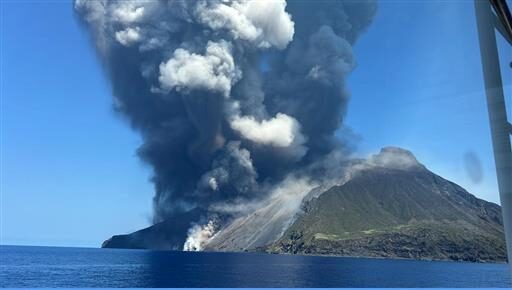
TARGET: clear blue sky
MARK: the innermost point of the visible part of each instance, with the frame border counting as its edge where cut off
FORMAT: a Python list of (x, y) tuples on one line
[(70, 175)]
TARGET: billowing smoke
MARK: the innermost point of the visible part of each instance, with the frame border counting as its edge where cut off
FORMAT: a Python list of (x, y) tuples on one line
[(199, 235), (233, 98)]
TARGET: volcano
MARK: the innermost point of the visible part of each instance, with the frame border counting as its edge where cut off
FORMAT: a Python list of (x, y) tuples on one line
[(390, 205)]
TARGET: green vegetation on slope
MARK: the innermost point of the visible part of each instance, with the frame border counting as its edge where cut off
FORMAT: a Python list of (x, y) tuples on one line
[(385, 212)]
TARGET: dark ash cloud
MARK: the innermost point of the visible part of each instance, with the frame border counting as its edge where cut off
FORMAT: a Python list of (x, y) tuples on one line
[(232, 98)]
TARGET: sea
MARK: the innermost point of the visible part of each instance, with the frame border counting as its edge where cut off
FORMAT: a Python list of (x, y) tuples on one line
[(27, 266)]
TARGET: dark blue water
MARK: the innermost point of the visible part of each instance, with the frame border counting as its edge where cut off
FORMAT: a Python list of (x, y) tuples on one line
[(82, 267)]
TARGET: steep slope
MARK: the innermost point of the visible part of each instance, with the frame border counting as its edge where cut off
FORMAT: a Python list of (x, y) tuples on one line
[(266, 223), (395, 207)]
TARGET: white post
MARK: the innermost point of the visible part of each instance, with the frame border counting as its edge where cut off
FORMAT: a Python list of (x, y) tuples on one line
[(500, 126)]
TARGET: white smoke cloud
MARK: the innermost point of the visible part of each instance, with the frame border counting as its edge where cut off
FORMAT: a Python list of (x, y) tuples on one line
[(280, 131), (394, 158), (264, 23), (215, 70), (212, 182), (128, 36), (127, 12), (389, 157), (198, 236), (96, 10), (95, 15)]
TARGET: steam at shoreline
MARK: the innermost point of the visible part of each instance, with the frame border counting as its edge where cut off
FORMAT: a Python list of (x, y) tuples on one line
[(198, 236)]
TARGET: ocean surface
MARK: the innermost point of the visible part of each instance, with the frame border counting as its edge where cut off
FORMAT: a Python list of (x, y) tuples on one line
[(22, 266)]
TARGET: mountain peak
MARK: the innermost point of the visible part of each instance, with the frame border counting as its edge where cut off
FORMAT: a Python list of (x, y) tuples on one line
[(396, 208), (395, 158)]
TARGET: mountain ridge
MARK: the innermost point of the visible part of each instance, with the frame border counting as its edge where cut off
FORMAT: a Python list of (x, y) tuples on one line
[(397, 212), (389, 206)]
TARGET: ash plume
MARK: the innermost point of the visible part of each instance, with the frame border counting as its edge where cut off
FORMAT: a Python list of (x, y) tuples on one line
[(233, 98)]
